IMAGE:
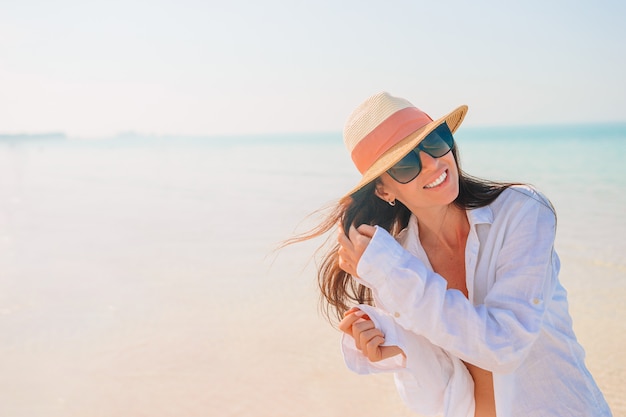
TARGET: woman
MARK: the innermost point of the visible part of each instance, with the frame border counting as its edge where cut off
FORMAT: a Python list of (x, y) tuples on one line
[(455, 279)]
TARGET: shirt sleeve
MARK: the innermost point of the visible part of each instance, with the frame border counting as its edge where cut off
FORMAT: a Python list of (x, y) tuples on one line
[(429, 381), (495, 335)]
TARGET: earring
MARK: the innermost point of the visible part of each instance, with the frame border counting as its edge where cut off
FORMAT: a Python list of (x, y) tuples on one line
[(392, 203)]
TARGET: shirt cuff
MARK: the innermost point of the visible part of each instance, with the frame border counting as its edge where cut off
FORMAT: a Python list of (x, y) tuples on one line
[(378, 260), (357, 362)]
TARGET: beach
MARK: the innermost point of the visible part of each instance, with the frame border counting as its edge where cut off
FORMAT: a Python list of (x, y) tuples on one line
[(139, 276)]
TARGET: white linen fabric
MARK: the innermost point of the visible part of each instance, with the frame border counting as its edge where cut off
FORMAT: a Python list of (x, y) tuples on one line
[(514, 323)]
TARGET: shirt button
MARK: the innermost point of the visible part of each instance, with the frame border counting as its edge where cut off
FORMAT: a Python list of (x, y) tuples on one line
[(396, 314), (536, 301)]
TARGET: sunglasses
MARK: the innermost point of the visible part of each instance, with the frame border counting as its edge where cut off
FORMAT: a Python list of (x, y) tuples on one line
[(438, 143)]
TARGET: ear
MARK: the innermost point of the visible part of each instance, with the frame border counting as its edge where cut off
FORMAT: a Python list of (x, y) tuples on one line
[(382, 193)]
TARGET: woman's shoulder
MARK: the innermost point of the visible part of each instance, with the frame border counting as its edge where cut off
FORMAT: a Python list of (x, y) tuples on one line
[(521, 195)]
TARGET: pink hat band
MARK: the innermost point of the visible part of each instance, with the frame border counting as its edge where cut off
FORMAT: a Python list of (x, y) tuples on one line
[(386, 134)]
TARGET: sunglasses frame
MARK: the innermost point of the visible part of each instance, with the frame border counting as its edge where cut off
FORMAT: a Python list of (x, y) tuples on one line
[(440, 134)]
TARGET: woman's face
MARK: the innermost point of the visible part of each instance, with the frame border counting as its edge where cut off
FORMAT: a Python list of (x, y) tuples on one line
[(437, 185)]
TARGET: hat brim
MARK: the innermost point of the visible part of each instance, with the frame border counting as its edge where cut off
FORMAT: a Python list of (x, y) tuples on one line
[(406, 145)]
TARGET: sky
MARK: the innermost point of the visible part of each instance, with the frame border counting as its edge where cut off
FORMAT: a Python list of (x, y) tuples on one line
[(185, 67)]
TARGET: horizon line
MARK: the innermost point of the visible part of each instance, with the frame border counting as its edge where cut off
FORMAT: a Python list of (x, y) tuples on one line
[(62, 135)]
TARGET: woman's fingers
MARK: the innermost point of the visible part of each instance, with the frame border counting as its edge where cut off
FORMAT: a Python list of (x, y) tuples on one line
[(361, 236), (373, 350), (351, 247), (346, 253), (367, 338), (352, 310), (362, 332), (350, 317), (366, 230)]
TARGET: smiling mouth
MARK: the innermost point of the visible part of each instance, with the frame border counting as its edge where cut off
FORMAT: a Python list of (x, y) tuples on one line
[(438, 181)]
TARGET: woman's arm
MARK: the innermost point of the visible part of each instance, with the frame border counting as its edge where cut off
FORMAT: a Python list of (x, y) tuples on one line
[(429, 380), (495, 335)]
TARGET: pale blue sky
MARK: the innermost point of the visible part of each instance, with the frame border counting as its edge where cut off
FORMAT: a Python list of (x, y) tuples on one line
[(96, 68)]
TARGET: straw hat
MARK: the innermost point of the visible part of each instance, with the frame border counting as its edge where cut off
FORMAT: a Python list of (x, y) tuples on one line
[(384, 129)]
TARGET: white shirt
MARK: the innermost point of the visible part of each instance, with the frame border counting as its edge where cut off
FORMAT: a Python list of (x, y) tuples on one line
[(514, 323)]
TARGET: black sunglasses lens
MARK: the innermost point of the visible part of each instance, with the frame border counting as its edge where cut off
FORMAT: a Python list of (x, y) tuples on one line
[(406, 169), (438, 143)]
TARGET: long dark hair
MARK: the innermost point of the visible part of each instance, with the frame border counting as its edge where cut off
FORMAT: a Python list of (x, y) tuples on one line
[(338, 290)]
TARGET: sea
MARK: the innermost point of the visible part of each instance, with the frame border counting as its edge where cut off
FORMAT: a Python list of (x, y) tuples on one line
[(142, 275)]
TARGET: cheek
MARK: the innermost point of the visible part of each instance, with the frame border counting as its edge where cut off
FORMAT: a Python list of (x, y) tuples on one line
[(388, 184), (454, 175), (451, 162), (449, 158)]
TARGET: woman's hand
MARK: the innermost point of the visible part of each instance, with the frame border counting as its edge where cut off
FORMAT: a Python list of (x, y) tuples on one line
[(367, 338), (351, 248)]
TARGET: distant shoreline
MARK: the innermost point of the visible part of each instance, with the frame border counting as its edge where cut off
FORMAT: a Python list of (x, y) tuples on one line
[(33, 136), (596, 129)]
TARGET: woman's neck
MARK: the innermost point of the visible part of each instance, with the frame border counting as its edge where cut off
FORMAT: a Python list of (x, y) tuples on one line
[(443, 227)]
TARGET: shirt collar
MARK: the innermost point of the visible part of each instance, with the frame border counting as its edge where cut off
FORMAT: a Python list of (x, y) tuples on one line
[(480, 215), (409, 237)]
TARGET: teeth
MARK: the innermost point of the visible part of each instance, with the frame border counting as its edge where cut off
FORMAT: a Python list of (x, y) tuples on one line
[(438, 181)]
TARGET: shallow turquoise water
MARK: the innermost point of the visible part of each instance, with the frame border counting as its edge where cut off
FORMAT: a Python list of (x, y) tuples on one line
[(115, 253)]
